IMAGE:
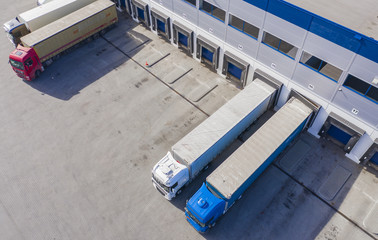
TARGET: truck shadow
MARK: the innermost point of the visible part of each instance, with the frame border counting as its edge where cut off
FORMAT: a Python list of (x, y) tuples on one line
[(74, 71), (303, 201)]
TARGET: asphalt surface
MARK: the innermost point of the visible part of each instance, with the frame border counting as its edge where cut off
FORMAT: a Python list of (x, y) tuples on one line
[(78, 144)]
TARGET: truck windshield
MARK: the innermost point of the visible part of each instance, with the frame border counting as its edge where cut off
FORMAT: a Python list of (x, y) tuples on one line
[(160, 184), (194, 218), (16, 64)]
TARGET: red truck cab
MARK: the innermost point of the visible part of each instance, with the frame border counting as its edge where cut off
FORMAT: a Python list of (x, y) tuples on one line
[(26, 63)]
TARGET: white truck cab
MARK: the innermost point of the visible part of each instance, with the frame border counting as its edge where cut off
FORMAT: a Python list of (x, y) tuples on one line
[(169, 176)]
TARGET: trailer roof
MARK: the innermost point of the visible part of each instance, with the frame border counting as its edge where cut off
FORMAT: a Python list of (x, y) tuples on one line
[(65, 22), (194, 144), (238, 167), (43, 9)]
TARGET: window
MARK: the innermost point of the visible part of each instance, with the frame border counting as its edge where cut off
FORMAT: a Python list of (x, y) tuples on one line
[(192, 2), (280, 45), (29, 62), (362, 87), (16, 64), (321, 66), (243, 26), (213, 10)]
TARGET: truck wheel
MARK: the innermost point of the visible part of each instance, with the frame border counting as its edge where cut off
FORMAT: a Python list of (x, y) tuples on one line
[(213, 225), (37, 74), (178, 192)]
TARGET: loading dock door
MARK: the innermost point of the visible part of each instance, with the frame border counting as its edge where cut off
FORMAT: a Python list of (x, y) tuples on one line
[(141, 12), (161, 23), (183, 39), (234, 70), (339, 134), (207, 54), (374, 158), (342, 131)]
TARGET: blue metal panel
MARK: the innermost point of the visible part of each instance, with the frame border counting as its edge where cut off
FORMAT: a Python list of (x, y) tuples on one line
[(369, 49), (339, 134), (335, 33), (267, 162), (207, 54), (374, 158), (290, 13), (183, 39), (140, 13), (160, 25), (234, 70), (262, 4)]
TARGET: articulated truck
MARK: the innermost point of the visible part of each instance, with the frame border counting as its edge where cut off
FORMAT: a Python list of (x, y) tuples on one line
[(227, 183), (38, 17), (39, 47), (189, 156)]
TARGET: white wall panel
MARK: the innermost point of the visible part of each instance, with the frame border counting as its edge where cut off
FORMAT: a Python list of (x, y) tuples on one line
[(364, 69), (328, 51), (276, 60), (242, 42), (284, 30), (212, 25), (247, 12), (165, 3), (315, 82), (223, 4), (186, 11), (349, 100)]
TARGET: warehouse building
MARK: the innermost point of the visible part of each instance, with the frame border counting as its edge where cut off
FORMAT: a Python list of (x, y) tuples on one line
[(323, 50)]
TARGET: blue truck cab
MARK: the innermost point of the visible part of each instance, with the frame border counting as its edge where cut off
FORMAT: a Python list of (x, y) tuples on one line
[(203, 209)]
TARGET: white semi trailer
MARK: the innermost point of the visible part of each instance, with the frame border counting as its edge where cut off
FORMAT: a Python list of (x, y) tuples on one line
[(197, 149), (40, 16)]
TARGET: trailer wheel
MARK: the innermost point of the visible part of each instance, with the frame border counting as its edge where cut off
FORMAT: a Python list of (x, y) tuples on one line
[(207, 166), (89, 39), (96, 35), (102, 32)]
